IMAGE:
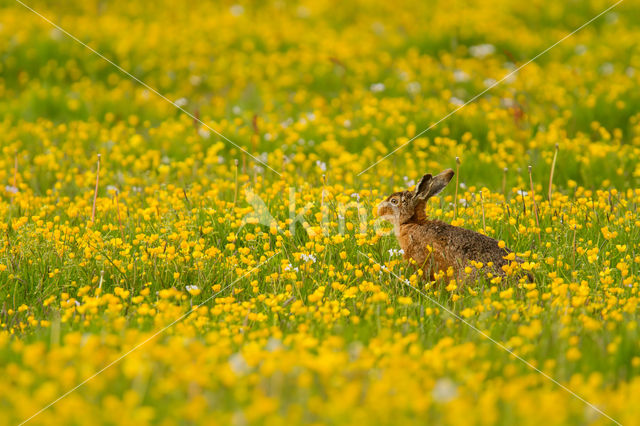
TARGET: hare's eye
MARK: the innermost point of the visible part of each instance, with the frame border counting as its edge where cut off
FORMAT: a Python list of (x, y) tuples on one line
[(394, 201)]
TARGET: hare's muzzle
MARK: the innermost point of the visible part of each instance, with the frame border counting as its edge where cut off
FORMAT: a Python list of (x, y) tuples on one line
[(385, 209)]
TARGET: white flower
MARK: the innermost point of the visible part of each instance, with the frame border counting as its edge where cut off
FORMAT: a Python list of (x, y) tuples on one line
[(236, 10), (408, 182), (273, 344), (463, 185), (347, 123), (308, 257), (180, 102), (238, 364), (522, 193), (581, 49), (377, 87), (456, 101), (444, 390), (322, 165), (607, 68), (395, 252), (460, 76), (11, 189), (414, 88), (482, 50), (192, 287), (204, 133), (511, 77), (236, 109), (289, 267), (507, 102), (356, 196), (488, 82)]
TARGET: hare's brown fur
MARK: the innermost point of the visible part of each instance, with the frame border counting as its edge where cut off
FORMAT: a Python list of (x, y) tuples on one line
[(434, 245)]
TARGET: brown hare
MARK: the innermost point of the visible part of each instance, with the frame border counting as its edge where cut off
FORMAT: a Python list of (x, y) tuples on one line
[(436, 246)]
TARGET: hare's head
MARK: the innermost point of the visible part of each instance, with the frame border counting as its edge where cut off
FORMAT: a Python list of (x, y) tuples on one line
[(400, 207)]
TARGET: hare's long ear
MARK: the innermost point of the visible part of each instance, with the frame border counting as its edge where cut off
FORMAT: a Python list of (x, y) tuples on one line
[(436, 184), (423, 185)]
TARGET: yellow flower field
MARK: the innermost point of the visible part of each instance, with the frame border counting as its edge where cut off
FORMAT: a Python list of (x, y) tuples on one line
[(188, 203)]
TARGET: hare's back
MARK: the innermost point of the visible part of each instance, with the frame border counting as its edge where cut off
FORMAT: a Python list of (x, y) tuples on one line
[(465, 244)]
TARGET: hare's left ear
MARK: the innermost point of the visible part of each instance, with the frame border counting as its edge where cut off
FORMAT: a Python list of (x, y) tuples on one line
[(434, 185)]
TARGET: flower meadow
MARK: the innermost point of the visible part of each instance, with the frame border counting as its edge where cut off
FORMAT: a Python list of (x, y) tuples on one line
[(184, 277)]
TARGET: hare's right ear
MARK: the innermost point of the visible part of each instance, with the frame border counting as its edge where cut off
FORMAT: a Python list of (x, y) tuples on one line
[(434, 185), (423, 186)]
